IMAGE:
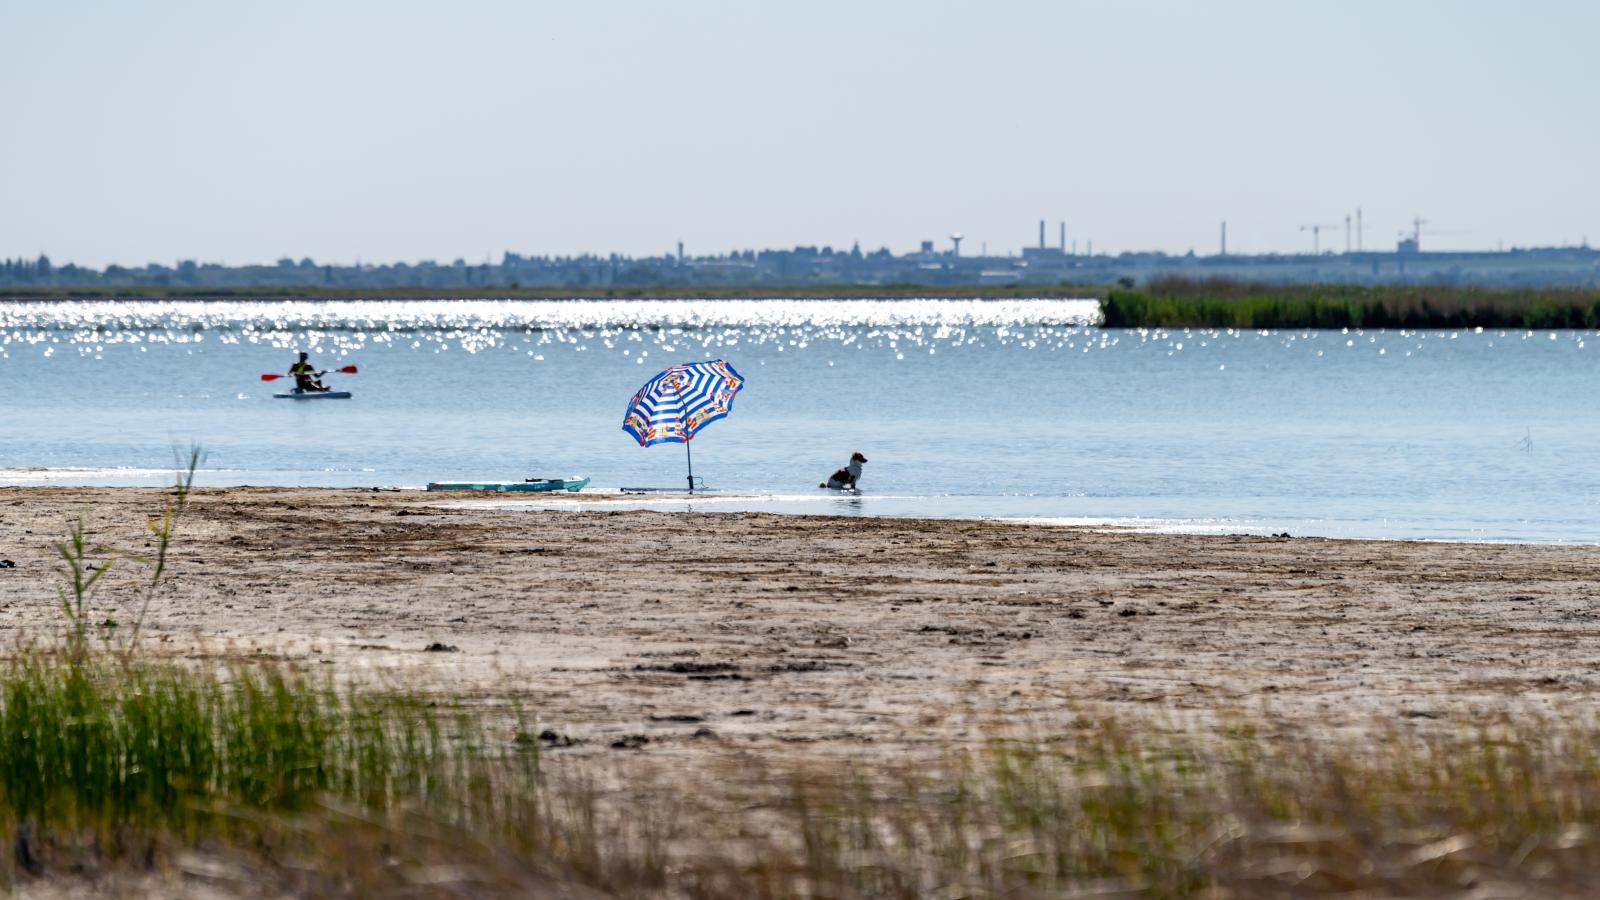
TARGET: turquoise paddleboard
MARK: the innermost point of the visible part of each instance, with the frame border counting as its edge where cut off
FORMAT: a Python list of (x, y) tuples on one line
[(543, 485)]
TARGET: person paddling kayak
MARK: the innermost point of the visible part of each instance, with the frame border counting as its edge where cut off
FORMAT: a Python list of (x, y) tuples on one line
[(305, 375)]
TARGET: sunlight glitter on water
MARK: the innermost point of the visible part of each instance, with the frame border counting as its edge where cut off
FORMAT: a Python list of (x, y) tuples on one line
[(478, 325)]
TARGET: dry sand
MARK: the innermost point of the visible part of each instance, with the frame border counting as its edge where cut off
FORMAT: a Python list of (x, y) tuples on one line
[(767, 630)]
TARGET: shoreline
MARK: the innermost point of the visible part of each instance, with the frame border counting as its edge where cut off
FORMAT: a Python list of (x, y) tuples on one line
[(881, 635), (792, 503)]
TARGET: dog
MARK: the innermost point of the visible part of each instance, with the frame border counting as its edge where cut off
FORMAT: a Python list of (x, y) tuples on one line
[(845, 479)]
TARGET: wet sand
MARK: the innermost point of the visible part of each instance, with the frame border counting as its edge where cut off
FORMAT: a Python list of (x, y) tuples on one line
[(768, 630)]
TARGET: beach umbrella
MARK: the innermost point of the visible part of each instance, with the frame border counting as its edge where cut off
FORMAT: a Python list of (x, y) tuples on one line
[(672, 407)]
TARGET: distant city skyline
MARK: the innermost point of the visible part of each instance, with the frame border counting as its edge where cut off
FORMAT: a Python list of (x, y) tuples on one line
[(1334, 242), (388, 132)]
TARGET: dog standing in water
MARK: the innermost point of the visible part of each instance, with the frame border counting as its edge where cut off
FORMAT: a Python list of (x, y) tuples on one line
[(845, 479)]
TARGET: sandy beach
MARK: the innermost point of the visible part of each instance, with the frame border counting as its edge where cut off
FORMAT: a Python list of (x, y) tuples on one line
[(775, 630)]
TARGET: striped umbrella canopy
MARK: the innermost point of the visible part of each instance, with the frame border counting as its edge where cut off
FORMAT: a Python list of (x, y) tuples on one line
[(673, 406)]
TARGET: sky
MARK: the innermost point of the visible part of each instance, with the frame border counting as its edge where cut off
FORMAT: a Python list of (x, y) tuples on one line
[(396, 131)]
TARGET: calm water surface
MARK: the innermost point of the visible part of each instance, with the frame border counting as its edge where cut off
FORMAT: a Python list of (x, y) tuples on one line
[(1015, 409)]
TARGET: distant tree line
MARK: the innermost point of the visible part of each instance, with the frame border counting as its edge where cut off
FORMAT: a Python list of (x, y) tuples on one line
[(801, 265)]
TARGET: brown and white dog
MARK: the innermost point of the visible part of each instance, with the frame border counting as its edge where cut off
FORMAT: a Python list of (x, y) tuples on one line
[(845, 479)]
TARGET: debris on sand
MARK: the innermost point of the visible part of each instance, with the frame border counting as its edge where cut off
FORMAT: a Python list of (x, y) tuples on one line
[(437, 647), (805, 665), (552, 739), (687, 667)]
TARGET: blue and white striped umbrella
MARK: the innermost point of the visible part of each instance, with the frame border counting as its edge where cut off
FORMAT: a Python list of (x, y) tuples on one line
[(672, 407)]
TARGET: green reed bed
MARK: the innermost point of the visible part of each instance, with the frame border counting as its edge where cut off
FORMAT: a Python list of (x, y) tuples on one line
[(105, 742), (1181, 303)]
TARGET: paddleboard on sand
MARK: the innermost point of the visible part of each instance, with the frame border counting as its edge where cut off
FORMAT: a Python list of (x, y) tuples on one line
[(313, 395), (542, 485)]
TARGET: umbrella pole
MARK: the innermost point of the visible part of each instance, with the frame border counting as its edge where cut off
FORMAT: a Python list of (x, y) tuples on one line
[(689, 455)]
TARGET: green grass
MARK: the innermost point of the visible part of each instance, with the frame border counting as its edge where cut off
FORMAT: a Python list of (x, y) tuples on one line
[(306, 784), (1242, 815), (1182, 303), (102, 743)]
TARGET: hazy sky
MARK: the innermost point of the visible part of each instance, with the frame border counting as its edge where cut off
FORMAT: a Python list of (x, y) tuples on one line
[(388, 130)]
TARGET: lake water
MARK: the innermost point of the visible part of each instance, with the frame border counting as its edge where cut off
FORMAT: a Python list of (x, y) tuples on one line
[(1011, 409)]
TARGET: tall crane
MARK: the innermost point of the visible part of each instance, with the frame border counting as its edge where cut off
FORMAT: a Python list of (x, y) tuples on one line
[(1316, 237), (1417, 233)]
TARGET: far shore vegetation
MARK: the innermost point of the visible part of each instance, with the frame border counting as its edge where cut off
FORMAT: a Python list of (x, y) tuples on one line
[(1186, 303)]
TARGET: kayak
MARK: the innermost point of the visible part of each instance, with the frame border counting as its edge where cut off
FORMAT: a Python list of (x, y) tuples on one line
[(313, 395), (542, 485)]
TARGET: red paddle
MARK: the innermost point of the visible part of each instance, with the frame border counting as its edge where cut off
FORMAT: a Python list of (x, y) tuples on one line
[(348, 370)]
